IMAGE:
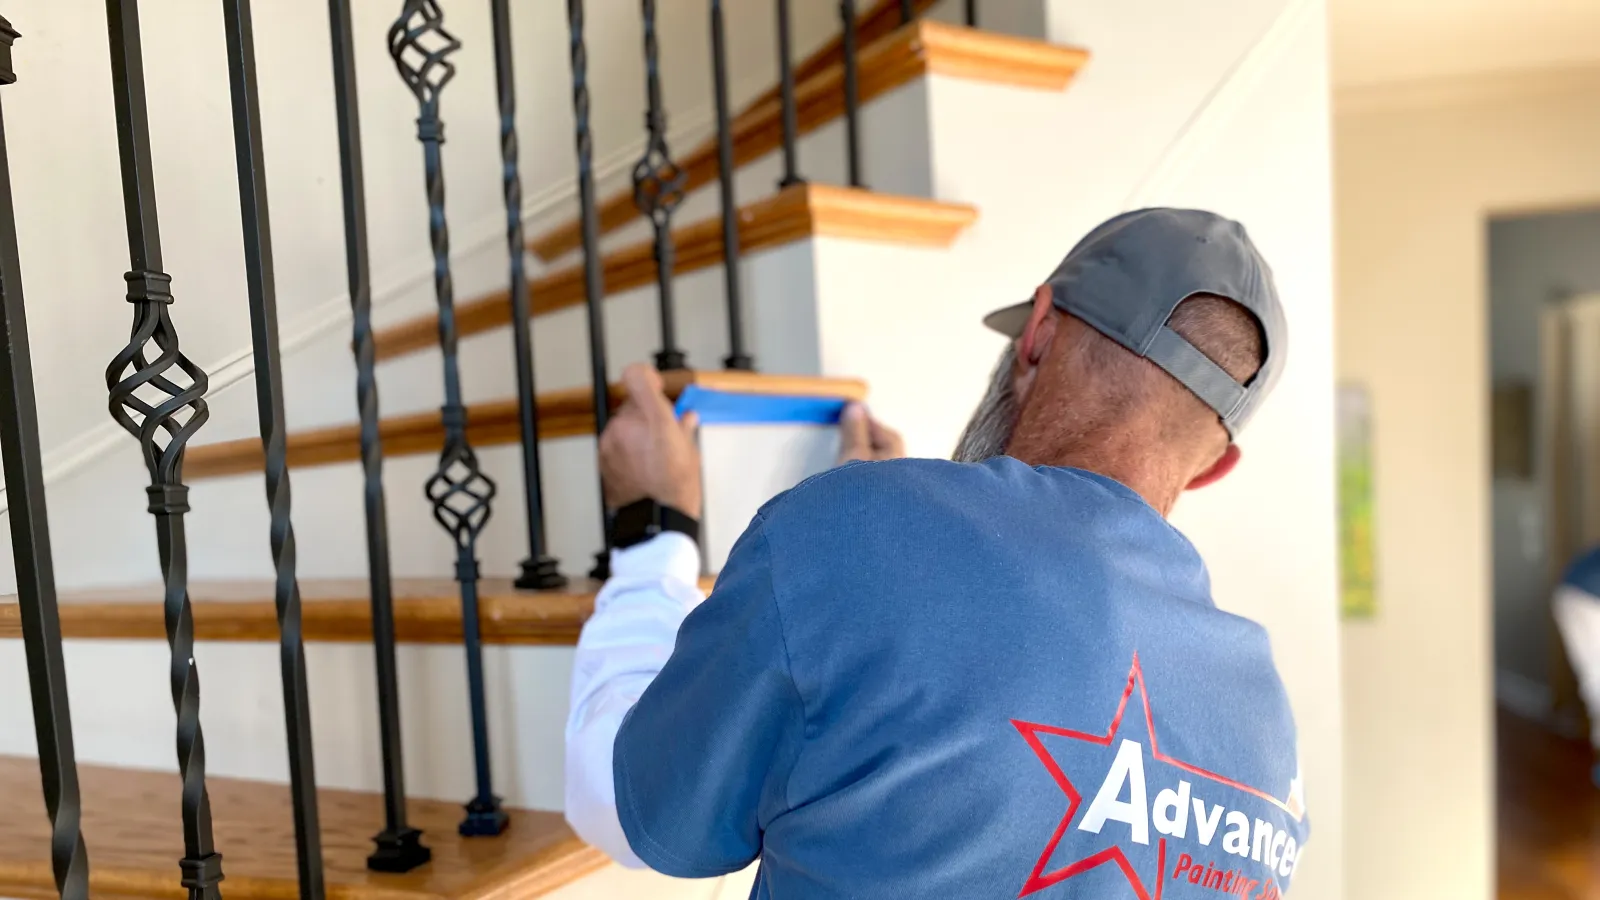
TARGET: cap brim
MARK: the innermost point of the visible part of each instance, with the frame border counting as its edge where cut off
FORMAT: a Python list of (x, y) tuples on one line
[(1010, 321)]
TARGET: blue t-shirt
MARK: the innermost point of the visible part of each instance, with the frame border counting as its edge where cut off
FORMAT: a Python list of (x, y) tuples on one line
[(922, 679), (1584, 572)]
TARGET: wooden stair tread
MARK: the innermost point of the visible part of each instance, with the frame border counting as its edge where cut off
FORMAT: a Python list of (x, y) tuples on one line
[(426, 611), (133, 830), (794, 214), (566, 413), (887, 61)]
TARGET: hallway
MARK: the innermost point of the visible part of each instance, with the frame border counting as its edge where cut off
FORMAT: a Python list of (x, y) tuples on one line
[(1548, 815)]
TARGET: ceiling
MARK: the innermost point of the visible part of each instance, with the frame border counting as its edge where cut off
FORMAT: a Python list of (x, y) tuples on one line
[(1382, 41)]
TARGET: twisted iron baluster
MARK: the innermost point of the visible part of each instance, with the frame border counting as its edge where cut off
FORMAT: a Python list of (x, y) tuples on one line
[(459, 490), (399, 846), (737, 357), (540, 571), (657, 191), (263, 303), (791, 114), (907, 12), (852, 94), (30, 545), (593, 287), (175, 412)]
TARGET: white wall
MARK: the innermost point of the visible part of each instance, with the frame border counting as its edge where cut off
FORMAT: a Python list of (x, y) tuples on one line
[(1419, 170)]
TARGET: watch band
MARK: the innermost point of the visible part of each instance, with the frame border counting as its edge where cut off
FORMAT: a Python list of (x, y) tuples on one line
[(644, 519)]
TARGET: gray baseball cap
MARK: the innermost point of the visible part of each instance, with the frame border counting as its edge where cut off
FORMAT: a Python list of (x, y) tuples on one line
[(1128, 275)]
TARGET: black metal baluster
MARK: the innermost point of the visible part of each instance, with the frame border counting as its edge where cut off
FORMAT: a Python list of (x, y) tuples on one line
[(737, 357), (658, 189), (263, 297), (30, 546), (399, 846), (970, 13), (540, 571), (791, 123), (593, 286), (907, 12), (177, 409), (852, 94), (460, 492)]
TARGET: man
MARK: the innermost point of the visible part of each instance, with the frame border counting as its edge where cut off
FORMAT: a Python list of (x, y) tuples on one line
[(993, 677), (1576, 606)]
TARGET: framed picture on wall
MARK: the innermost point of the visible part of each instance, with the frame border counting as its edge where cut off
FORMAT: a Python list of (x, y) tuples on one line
[(1358, 596)]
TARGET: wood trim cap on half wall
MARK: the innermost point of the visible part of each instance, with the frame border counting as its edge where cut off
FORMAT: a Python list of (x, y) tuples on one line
[(908, 53), (566, 413), (794, 214)]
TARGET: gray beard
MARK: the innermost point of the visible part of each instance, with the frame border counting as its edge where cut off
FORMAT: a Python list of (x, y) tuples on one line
[(989, 430)]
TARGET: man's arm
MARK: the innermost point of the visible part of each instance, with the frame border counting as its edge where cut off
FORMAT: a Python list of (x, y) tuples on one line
[(685, 764), (623, 645), (701, 764)]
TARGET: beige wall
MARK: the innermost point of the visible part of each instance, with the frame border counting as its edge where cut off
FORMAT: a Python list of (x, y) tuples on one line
[(1417, 171)]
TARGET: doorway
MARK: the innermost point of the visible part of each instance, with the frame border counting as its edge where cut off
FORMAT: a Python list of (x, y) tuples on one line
[(1544, 355)]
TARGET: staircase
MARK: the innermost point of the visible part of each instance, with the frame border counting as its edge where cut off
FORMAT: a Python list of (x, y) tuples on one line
[(748, 277)]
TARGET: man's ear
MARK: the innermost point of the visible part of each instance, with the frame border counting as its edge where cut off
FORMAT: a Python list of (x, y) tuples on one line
[(1217, 470), (1035, 340), (1041, 328)]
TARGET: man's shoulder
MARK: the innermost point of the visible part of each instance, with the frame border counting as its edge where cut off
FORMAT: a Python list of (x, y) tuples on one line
[(884, 486)]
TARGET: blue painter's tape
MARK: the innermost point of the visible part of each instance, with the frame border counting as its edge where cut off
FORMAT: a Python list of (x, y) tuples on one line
[(723, 408)]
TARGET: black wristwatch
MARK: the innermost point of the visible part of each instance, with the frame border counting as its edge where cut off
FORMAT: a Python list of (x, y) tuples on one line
[(640, 521)]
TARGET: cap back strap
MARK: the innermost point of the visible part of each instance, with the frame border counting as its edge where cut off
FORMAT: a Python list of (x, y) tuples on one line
[(1183, 361)]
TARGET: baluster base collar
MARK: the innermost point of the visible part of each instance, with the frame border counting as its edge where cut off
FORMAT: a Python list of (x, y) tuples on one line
[(602, 562), (671, 360), (541, 574), (398, 851), (742, 362), (484, 818)]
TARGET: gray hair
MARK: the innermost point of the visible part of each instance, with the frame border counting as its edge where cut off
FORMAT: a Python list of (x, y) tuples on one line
[(989, 430)]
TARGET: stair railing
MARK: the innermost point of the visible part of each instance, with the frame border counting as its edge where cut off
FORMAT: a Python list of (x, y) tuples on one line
[(459, 490), (593, 281), (658, 190), (30, 545), (263, 302), (159, 398), (738, 357), (157, 394), (399, 846), (786, 93), (539, 570)]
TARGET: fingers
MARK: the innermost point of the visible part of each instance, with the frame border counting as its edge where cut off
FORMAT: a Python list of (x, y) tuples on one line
[(643, 384), (690, 423), (886, 442), (854, 433)]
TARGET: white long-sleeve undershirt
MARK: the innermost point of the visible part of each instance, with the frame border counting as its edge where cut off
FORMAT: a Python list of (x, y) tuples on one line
[(653, 586)]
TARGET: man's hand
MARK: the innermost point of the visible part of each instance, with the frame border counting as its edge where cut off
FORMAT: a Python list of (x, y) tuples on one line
[(861, 437), (647, 452)]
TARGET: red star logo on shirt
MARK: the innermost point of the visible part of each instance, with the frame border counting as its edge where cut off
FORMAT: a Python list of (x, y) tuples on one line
[(1039, 879)]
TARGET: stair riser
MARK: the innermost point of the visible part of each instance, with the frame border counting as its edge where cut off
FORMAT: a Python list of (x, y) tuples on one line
[(122, 714)]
